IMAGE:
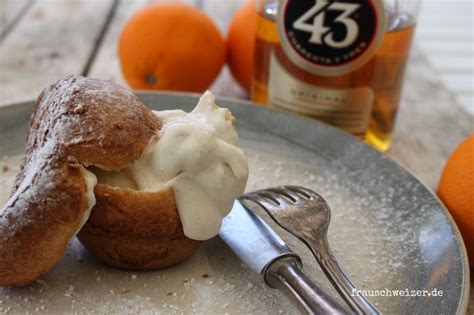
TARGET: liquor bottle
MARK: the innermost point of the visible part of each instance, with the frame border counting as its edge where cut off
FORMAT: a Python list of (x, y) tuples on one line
[(339, 61)]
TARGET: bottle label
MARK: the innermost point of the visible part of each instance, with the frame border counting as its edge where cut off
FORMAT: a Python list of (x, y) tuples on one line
[(328, 37), (348, 109)]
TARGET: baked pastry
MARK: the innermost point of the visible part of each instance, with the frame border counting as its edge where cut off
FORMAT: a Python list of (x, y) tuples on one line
[(86, 128), (153, 213), (76, 122)]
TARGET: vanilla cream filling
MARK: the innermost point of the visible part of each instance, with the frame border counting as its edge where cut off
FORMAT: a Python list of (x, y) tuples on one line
[(197, 156), (91, 182)]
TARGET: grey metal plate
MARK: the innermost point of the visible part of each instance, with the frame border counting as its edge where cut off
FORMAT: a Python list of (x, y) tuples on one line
[(388, 230)]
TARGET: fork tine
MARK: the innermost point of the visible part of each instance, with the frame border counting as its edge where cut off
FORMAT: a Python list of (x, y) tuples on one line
[(308, 193), (296, 196), (265, 202), (284, 192), (267, 193), (297, 190)]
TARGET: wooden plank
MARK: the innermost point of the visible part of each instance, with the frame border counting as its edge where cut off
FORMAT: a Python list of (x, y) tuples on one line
[(10, 12), (467, 101), (222, 12), (106, 64), (430, 123), (54, 39), (446, 34)]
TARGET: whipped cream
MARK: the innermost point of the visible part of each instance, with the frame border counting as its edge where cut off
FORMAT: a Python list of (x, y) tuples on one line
[(91, 182), (196, 154)]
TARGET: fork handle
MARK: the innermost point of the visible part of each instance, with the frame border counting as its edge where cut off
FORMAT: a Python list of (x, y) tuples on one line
[(286, 275), (357, 302)]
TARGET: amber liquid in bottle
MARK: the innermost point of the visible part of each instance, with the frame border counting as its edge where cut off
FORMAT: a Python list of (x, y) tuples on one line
[(383, 74)]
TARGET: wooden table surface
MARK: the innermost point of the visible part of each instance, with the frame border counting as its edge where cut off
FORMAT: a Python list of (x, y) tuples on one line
[(42, 41)]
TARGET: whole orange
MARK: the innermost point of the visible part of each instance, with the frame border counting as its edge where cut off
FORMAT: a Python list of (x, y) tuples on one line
[(171, 46), (456, 190), (241, 44)]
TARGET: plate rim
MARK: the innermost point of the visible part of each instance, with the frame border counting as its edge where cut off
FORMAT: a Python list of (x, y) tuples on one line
[(464, 298)]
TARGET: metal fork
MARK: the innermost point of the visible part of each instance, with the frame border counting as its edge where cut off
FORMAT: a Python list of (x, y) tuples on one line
[(306, 215)]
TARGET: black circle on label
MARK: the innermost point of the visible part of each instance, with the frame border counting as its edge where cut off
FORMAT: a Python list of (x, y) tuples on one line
[(329, 33)]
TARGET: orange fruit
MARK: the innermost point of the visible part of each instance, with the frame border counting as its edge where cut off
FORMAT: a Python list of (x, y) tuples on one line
[(456, 190), (171, 46), (241, 44)]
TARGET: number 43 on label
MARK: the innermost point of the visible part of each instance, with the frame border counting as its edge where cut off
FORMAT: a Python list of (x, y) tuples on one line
[(323, 35)]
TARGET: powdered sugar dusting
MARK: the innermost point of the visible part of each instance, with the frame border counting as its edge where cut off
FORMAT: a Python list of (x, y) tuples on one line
[(374, 239), (11, 165), (74, 122), (45, 145)]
